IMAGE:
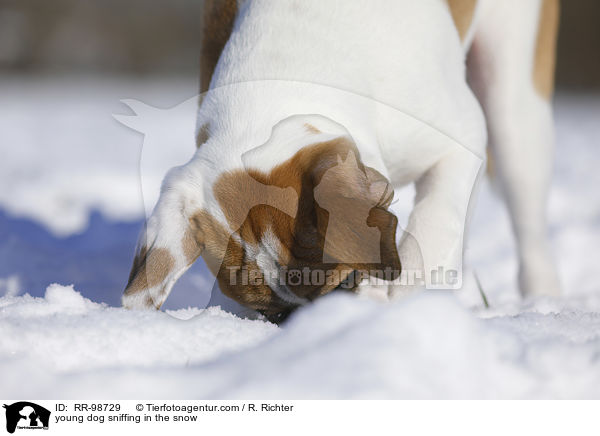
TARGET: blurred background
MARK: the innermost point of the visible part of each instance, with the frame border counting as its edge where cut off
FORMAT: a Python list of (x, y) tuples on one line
[(149, 37), (70, 203)]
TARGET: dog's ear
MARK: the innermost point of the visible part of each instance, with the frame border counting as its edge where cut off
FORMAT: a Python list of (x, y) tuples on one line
[(168, 245), (351, 209)]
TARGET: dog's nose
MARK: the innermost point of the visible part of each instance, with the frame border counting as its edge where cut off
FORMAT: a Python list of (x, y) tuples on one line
[(279, 317)]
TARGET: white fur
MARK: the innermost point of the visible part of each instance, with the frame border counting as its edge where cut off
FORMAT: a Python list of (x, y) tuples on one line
[(390, 74), (267, 259), (521, 130)]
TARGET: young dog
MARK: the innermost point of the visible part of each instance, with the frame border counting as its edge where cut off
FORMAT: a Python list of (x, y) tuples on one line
[(317, 110)]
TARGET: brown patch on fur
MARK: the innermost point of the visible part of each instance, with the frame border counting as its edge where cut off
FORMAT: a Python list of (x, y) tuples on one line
[(190, 246), (462, 14), (239, 191), (206, 236), (255, 202), (222, 252), (311, 128), (545, 52), (219, 16), (203, 134), (150, 268)]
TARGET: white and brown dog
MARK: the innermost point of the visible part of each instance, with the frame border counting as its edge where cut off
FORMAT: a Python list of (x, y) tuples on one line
[(315, 109)]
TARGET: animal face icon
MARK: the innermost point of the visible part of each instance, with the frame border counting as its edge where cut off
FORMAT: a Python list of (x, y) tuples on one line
[(26, 414)]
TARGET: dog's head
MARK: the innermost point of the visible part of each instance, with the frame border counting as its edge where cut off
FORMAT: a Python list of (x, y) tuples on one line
[(277, 238)]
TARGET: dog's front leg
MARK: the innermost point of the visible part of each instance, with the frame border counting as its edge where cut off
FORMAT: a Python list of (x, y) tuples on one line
[(431, 249)]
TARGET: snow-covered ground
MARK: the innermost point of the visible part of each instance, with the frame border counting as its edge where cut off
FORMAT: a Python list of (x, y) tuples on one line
[(70, 212)]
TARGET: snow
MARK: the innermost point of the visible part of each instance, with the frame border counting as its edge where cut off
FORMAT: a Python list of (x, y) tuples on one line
[(70, 212), (427, 346)]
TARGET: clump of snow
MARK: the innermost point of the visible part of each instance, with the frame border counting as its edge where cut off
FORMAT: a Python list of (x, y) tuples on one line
[(426, 346), (65, 333), (66, 300)]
